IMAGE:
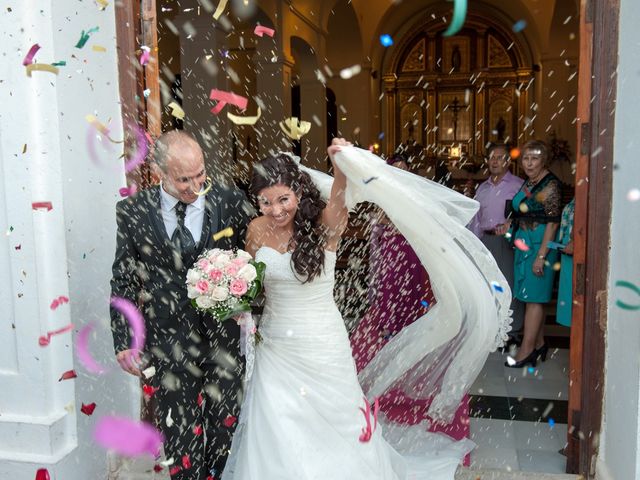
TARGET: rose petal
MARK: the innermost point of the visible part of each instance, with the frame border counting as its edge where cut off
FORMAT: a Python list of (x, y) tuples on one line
[(229, 421), (88, 409), (69, 374), (42, 474)]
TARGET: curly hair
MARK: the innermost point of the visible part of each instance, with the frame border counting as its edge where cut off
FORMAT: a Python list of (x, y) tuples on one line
[(309, 235)]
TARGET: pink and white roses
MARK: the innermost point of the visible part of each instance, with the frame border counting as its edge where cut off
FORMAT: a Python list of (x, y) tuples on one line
[(224, 282)]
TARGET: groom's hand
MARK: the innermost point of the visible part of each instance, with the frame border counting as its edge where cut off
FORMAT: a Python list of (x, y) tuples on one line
[(130, 361)]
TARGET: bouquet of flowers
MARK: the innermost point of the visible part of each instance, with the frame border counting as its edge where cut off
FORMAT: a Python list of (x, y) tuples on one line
[(223, 282)]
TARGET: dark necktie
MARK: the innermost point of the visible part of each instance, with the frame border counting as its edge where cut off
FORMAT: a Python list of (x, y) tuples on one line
[(182, 238)]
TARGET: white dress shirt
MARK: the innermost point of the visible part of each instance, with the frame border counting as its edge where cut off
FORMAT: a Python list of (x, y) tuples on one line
[(193, 218)]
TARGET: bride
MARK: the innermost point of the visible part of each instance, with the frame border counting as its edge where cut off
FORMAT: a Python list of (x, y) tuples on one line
[(304, 414)]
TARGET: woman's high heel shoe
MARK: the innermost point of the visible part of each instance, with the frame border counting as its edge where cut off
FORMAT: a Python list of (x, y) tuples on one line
[(542, 352), (529, 359)]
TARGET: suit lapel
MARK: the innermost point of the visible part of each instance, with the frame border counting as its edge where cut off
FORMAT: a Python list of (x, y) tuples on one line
[(211, 222), (154, 210)]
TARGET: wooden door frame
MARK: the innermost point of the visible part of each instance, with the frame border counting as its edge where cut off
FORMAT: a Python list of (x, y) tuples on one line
[(594, 185)]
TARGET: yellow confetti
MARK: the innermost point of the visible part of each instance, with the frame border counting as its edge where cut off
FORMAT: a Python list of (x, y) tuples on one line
[(206, 190), (524, 208), (221, 6), (238, 120), (98, 48), (295, 129), (176, 110), (24, 149), (41, 67), (227, 232), (101, 127), (103, 4)]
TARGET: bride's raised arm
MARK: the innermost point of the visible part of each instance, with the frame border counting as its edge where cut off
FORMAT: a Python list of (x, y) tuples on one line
[(335, 215)]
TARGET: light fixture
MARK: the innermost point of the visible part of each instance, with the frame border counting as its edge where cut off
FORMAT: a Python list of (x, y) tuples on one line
[(454, 152)]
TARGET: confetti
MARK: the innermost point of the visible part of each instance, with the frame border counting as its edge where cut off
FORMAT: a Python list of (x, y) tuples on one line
[(149, 391), (103, 4), (519, 26), (511, 361), (514, 153), (523, 207), (520, 245), (41, 67), (424, 303), (200, 399), (369, 180), (367, 431), (552, 422), (128, 191), (146, 92), (176, 110), (135, 319), (633, 195), (61, 63), (58, 301), (82, 351), (68, 375), (174, 470), (146, 54), (38, 205), (261, 30), (459, 14), (224, 98), (100, 127), (84, 36), (24, 148), (44, 340), (207, 188), (530, 369), (293, 129), (28, 59), (98, 48), (141, 150), (227, 233), (229, 421), (349, 72), (43, 474), (238, 120), (497, 287), (221, 6), (633, 288), (127, 437), (88, 409), (197, 430), (186, 462), (386, 40)]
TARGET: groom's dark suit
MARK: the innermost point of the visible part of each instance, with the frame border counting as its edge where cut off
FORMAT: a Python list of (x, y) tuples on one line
[(192, 353)]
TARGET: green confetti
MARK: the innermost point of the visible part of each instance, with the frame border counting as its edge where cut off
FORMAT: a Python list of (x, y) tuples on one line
[(459, 14), (61, 63), (633, 288), (84, 36)]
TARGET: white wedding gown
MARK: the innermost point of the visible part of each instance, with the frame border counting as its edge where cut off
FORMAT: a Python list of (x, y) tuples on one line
[(301, 415)]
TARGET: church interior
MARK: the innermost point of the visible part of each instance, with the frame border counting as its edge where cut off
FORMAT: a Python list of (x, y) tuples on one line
[(383, 75)]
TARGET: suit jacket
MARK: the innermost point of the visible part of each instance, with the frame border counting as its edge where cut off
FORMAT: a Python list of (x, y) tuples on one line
[(148, 271)]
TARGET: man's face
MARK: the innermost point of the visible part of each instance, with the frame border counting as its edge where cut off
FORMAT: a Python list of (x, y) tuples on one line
[(498, 162), (185, 173)]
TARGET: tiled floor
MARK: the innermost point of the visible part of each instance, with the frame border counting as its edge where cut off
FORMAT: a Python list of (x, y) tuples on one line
[(523, 424)]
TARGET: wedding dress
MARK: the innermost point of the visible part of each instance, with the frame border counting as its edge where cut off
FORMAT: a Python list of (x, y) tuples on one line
[(301, 416)]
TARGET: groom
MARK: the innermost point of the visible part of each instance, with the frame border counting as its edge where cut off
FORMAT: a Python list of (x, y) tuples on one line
[(197, 383)]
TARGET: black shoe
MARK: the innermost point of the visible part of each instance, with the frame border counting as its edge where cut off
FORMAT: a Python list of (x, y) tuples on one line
[(529, 359), (542, 352)]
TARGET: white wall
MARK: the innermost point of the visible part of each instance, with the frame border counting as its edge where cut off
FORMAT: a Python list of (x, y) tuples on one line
[(619, 455), (67, 251)]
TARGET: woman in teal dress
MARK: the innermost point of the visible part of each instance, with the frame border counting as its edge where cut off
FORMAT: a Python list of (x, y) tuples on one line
[(535, 218), (565, 285)]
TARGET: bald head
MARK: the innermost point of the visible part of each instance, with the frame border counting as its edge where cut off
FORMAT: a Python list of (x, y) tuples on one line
[(179, 161)]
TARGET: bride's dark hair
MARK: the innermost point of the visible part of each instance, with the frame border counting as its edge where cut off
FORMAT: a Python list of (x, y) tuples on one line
[(308, 240)]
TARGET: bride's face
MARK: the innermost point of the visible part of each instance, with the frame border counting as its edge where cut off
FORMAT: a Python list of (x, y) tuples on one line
[(279, 203)]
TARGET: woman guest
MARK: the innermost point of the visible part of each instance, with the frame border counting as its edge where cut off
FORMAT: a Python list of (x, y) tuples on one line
[(565, 287), (399, 293), (536, 214)]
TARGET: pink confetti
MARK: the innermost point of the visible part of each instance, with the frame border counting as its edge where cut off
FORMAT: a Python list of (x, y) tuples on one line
[(146, 54), (28, 59), (58, 301), (127, 437), (68, 375), (520, 245), (142, 148), (83, 353), (128, 191), (261, 30), (367, 431), (39, 205), (135, 319), (224, 98), (44, 340)]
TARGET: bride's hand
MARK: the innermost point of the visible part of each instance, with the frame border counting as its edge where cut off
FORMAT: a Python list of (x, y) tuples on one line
[(336, 143)]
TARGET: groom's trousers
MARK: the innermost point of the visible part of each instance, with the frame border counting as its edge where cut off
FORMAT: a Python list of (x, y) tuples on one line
[(196, 410)]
